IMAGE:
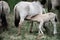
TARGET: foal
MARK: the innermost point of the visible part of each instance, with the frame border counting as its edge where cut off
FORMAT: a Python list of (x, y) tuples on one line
[(45, 18)]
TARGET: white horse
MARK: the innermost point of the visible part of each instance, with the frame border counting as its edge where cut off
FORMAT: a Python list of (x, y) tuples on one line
[(42, 18), (4, 12), (24, 9), (5, 7)]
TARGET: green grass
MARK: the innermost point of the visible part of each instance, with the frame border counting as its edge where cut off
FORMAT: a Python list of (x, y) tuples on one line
[(11, 34)]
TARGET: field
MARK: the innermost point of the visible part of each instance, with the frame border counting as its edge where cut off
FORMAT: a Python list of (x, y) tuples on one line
[(11, 34)]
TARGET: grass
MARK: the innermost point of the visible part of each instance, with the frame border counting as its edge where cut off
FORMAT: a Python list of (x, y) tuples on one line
[(11, 34)]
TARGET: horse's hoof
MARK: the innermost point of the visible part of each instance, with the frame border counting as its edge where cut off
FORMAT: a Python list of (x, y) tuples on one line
[(31, 31), (40, 36), (18, 34), (55, 33)]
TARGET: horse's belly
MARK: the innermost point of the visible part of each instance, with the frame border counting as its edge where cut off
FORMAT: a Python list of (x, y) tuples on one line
[(33, 11)]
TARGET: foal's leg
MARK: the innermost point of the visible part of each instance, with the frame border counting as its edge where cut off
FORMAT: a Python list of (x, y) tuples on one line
[(54, 24), (40, 27), (31, 27)]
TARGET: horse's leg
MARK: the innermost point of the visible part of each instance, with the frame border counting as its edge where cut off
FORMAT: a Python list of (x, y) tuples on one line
[(23, 13), (31, 27), (20, 24), (40, 27), (54, 24)]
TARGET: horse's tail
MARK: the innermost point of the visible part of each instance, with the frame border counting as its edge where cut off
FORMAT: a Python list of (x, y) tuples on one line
[(17, 17), (3, 17)]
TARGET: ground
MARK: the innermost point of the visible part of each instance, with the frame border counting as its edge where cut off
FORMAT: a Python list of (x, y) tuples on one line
[(11, 34)]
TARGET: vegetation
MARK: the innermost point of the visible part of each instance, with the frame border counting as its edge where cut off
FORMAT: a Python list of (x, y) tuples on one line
[(11, 34), (12, 3)]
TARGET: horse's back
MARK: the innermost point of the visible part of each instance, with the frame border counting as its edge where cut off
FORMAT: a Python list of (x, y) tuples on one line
[(32, 7), (5, 7)]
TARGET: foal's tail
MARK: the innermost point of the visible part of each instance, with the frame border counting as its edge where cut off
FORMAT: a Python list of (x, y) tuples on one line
[(56, 19), (17, 17)]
